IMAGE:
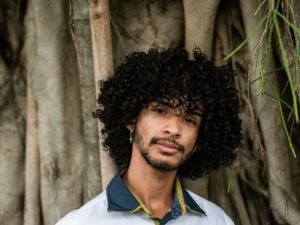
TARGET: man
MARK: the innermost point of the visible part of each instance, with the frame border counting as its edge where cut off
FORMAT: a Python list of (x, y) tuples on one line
[(165, 117)]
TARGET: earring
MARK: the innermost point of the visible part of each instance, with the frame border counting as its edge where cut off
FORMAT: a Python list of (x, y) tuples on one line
[(130, 137)]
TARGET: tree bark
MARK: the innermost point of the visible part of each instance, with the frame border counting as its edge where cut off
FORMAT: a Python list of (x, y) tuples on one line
[(32, 211), (11, 154), (81, 33), (51, 65), (103, 68), (199, 24), (12, 114), (141, 25)]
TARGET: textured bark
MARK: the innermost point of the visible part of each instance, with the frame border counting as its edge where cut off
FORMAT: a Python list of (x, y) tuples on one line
[(217, 188), (11, 154), (199, 24), (12, 114), (140, 25), (51, 64), (81, 33), (239, 201), (296, 7), (103, 68), (282, 196), (32, 208)]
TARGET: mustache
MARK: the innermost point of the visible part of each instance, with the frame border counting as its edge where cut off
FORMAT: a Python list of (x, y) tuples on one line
[(155, 140)]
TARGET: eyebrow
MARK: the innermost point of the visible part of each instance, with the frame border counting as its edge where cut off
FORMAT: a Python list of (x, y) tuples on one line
[(197, 113), (166, 103)]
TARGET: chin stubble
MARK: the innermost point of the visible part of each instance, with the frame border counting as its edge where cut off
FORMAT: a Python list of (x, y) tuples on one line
[(157, 164)]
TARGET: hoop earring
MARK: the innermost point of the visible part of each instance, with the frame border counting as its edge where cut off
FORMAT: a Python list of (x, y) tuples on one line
[(130, 136)]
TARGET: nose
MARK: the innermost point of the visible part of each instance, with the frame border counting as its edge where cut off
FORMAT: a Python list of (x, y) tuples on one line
[(172, 127)]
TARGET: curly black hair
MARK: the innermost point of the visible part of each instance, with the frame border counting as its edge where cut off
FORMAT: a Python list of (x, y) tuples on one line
[(170, 74)]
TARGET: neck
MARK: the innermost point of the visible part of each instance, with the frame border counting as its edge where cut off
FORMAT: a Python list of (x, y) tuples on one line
[(153, 187)]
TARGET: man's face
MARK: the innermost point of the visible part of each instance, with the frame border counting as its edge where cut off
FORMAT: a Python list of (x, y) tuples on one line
[(165, 136)]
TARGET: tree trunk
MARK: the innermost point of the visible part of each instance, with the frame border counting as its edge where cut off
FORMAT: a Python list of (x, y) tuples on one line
[(81, 33), (141, 25), (11, 154), (12, 115), (51, 65), (32, 211), (103, 68), (199, 18)]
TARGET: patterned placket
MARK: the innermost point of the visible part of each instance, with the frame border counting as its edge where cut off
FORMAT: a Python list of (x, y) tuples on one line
[(174, 212)]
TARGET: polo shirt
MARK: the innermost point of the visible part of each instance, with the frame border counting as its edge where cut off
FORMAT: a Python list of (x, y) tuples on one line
[(118, 205)]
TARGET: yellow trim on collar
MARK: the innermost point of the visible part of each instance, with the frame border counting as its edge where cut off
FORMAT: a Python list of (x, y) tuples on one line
[(156, 222), (141, 203), (180, 196), (196, 212)]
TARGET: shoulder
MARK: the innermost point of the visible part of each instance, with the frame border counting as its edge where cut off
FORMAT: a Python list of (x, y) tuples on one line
[(93, 210), (214, 213)]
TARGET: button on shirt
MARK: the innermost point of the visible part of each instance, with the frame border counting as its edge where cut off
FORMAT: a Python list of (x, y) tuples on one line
[(117, 205)]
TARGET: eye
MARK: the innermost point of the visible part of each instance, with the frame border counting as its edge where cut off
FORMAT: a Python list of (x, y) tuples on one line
[(191, 121), (159, 110)]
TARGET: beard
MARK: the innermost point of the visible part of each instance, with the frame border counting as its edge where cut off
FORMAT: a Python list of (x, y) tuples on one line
[(158, 164)]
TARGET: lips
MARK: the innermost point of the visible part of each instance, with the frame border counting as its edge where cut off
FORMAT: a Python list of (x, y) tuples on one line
[(168, 147), (167, 144)]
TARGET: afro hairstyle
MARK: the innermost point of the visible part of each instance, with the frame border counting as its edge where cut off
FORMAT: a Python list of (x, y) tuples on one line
[(169, 74)]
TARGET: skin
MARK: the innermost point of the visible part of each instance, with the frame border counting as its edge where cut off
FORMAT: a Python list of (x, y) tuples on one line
[(167, 136)]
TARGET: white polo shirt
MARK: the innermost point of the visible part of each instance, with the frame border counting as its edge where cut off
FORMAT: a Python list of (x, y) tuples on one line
[(117, 205)]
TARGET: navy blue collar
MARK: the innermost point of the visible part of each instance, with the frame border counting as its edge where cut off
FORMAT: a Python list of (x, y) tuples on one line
[(121, 199)]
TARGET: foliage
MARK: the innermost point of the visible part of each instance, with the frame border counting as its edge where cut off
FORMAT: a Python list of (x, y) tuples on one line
[(281, 31)]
